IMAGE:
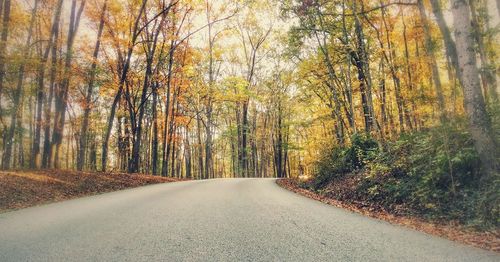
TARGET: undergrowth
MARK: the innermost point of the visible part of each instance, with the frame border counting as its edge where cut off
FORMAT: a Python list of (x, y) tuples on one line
[(433, 173)]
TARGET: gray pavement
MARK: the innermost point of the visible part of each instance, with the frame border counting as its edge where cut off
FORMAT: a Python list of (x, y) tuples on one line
[(213, 220)]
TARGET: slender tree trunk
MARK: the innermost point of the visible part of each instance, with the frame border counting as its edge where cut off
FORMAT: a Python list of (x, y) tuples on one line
[(451, 49), (42, 98), (3, 45), (17, 93), (361, 63), (488, 75), (88, 98), (348, 82), (164, 170), (187, 153), (432, 59), (410, 84), (200, 151), (47, 149), (390, 57), (134, 161), (383, 96), (62, 93), (150, 55), (154, 154), (244, 139)]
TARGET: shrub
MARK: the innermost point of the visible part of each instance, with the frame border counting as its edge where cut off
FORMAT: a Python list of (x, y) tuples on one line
[(434, 173), (338, 161), (363, 149)]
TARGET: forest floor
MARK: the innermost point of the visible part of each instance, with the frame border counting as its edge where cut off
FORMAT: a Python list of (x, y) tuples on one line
[(489, 240), (21, 189)]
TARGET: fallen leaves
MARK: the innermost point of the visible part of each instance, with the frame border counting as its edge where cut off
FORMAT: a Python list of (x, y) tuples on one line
[(21, 189), (489, 240)]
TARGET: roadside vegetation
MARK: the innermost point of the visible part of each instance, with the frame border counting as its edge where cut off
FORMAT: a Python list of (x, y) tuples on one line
[(434, 174)]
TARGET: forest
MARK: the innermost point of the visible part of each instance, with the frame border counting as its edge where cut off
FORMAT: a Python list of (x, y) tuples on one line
[(403, 92)]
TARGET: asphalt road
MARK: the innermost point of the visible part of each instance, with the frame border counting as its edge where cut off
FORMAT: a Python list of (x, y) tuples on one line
[(213, 220)]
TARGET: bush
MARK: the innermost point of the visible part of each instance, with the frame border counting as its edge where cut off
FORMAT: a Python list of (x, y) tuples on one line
[(362, 150), (433, 173), (339, 161)]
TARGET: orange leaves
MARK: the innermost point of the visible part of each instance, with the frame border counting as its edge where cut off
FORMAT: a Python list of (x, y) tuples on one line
[(24, 189)]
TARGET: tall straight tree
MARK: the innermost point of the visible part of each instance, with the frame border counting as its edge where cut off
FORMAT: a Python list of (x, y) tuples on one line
[(3, 45), (429, 50), (488, 74), (61, 102), (87, 104), (479, 121), (36, 159), (17, 93), (451, 49)]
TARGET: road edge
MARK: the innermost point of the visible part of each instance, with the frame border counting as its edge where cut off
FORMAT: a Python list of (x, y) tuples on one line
[(485, 240)]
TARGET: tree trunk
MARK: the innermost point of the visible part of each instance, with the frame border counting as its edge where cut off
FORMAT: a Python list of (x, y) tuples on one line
[(164, 168), (479, 122), (88, 98), (410, 84), (200, 151), (17, 93), (62, 93), (244, 138), (3, 44), (451, 49), (118, 95), (390, 57), (432, 59), (154, 153), (488, 75), (362, 64)]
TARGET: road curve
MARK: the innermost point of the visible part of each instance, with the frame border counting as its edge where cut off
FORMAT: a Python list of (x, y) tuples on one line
[(213, 220)]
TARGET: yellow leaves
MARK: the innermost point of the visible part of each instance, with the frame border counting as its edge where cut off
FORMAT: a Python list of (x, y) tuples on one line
[(235, 89)]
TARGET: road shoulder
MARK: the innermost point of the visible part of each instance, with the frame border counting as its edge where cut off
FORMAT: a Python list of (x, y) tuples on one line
[(489, 240)]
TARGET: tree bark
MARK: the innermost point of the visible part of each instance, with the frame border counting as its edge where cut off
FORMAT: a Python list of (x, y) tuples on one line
[(479, 122), (123, 77), (488, 75), (432, 59), (88, 98), (62, 92), (17, 94), (451, 49), (41, 94), (3, 44)]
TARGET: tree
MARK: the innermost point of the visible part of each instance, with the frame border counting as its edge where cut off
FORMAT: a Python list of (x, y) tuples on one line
[(3, 43), (479, 121), (18, 92), (87, 103), (429, 49)]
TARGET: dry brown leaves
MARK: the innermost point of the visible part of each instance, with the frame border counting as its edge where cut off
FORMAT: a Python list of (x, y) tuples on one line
[(489, 240), (20, 189)]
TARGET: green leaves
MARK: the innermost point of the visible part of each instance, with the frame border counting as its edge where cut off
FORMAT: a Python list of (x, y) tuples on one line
[(433, 173)]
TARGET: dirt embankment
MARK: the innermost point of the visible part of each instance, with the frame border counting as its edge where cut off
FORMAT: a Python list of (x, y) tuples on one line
[(21, 189), (489, 240)]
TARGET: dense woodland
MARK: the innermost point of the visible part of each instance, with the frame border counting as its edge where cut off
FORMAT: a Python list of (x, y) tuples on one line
[(250, 88)]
